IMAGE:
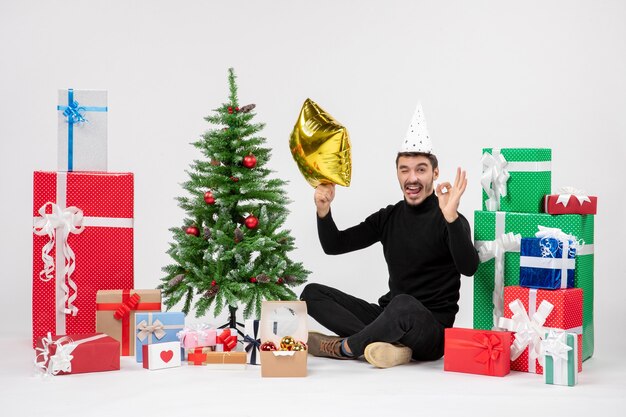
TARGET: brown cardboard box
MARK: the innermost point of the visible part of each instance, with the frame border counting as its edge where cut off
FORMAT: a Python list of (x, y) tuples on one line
[(279, 319), (207, 356), (226, 360), (115, 314)]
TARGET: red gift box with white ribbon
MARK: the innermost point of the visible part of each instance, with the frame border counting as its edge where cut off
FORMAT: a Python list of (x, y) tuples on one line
[(570, 200), (530, 313), (77, 354), (82, 243)]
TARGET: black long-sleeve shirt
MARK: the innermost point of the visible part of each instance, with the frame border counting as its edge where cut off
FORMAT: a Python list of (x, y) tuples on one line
[(425, 254)]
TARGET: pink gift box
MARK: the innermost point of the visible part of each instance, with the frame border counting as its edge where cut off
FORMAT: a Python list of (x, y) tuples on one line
[(197, 336)]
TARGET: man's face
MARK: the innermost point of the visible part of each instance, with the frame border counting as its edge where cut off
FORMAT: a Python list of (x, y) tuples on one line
[(416, 177)]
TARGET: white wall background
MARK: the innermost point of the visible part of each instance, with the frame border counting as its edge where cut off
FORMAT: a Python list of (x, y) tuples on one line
[(489, 73)]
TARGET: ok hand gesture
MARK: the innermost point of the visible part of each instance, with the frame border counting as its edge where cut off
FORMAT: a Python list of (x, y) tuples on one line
[(449, 200)]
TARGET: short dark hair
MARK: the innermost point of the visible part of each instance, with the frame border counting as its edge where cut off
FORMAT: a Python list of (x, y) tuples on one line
[(431, 157)]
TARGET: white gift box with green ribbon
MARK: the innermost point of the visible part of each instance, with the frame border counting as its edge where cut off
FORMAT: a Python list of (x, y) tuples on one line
[(560, 350)]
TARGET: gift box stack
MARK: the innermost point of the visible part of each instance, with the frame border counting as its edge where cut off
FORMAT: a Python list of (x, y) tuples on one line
[(533, 247), (212, 348), (83, 233)]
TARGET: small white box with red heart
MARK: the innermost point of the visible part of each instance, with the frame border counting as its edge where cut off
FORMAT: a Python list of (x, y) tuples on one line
[(161, 355)]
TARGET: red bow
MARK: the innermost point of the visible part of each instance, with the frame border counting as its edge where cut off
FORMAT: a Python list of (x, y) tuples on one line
[(228, 340), (126, 306), (491, 348)]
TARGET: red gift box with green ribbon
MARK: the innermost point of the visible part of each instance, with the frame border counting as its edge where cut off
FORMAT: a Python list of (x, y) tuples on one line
[(473, 351)]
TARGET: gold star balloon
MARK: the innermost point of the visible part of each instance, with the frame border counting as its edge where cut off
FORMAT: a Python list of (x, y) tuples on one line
[(321, 147)]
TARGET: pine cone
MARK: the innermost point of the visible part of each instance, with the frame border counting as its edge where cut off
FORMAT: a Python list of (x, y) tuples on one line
[(289, 279), (207, 233), (247, 108), (176, 280), (238, 235), (262, 278), (211, 292)]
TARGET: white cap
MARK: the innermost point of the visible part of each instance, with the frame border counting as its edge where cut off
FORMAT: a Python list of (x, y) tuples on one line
[(417, 138)]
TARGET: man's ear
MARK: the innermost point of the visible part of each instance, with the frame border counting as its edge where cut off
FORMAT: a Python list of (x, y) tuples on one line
[(436, 173)]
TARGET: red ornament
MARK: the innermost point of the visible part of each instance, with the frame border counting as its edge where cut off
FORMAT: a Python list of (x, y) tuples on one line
[(237, 109), (230, 110), (280, 281), (192, 230), (268, 346), (251, 222), (249, 161), (234, 179), (253, 280), (208, 198), (213, 283)]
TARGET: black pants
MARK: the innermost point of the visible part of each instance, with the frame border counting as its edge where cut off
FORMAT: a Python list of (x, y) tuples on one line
[(404, 320)]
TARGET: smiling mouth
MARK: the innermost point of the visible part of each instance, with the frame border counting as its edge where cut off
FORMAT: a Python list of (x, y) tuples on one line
[(413, 189)]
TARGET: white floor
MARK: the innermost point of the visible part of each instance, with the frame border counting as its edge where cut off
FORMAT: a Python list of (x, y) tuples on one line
[(332, 388)]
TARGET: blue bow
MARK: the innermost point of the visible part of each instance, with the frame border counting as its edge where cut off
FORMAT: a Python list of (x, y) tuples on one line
[(73, 112)]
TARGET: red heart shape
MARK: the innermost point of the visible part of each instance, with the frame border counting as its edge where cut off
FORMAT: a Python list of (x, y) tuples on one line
[(167, 355)]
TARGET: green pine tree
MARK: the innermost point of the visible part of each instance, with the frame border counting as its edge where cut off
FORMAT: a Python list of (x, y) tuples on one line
[(231, 250)]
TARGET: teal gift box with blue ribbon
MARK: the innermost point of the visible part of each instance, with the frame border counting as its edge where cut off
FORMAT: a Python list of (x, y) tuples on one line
[(82, 130), (151, 328)]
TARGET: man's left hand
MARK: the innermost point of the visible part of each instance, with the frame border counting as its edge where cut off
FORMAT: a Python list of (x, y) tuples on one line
[(450, 199)]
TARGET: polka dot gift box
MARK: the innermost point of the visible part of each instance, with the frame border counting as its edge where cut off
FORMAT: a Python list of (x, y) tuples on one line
[(500, 265), (82, 243), (516, 179), (534, 312)]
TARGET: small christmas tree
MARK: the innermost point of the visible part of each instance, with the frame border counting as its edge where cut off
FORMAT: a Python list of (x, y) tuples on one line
[(231, 250)]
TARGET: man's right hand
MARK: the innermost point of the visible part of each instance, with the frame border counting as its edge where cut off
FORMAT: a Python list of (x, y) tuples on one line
[(324, 195)]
